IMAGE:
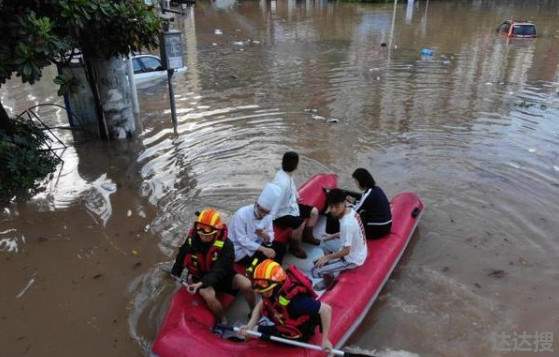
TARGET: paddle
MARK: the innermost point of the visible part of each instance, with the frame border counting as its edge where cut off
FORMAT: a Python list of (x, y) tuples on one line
[(295, 343)]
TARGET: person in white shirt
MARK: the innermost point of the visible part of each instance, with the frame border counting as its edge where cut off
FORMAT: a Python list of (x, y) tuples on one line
[(353, 244), (251, 229), (288, 212)]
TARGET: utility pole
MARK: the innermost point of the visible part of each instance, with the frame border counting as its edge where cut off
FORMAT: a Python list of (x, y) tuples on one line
[(170, 43)]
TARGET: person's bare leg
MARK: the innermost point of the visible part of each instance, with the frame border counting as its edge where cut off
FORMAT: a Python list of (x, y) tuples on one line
[(295, 243), (313, 218), (308, 236), (297, 233), (208, 294), (243, 284)]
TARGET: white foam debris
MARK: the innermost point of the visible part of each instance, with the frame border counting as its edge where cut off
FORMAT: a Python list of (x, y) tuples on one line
[(238, 43), (141, 213), (488, 83), (129, 213), (516, 166), (332, 120), (401, 304), (378, 78), (8, 231), (218, 32), (97, 199), (214, 44), (256, 42), (9, 245), (556, 168), (29, 283), (6, 210), (318, 117), (531, 150), (147, 227)]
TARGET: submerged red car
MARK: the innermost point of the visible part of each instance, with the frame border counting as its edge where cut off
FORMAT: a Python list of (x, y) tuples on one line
[(517, 29)]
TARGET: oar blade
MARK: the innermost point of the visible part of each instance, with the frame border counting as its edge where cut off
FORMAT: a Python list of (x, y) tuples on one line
[(352, 354)]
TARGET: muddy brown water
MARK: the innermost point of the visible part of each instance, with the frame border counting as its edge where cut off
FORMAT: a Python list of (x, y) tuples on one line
[(473, 129)]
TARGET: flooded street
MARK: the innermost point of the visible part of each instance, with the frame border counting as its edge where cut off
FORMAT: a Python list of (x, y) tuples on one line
[(474, 129)]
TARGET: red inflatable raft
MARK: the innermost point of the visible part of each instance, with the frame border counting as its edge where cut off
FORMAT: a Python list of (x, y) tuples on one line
[(186, 329)]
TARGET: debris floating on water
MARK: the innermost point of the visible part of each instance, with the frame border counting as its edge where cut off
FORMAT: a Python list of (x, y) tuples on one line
[(10, 244), (496, 273), (129, 213), (238, 43), (427, 52), (332, 120), (311, 110), (218, 32), (318, 117), (29, 283)]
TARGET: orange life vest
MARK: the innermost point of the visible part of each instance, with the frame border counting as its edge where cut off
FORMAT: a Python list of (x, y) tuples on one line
[(199, 263)]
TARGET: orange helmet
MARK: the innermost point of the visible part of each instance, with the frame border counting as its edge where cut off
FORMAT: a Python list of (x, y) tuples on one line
[(267, 275), (209, 221)]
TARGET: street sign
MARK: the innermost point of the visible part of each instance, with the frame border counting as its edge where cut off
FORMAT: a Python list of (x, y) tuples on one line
[(171, 49)]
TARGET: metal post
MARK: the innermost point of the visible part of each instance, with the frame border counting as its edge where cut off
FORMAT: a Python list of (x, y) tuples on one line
[(392, 27), (172, 99), (132, 83)]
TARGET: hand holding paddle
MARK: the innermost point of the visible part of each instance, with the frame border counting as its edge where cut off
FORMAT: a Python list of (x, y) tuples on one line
[(326, 345)]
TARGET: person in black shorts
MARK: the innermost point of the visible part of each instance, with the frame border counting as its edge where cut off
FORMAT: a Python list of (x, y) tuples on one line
[(288, 212)]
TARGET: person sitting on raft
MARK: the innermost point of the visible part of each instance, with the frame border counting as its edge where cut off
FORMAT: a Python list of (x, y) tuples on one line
[(353, 244), (209, 257), (289, 305), (288, 213), (372, 205), (252, 233)]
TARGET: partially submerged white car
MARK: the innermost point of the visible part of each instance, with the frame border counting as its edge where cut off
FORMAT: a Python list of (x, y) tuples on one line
[(149, 67)]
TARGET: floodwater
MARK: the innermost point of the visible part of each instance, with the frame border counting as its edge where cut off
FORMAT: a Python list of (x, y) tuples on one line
[(473, 129)]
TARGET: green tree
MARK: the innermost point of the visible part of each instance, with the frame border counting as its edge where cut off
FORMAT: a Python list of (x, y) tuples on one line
[(39, 33)]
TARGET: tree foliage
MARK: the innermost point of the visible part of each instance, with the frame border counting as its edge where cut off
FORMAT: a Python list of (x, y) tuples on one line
[(23, 159), (36, 33)]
